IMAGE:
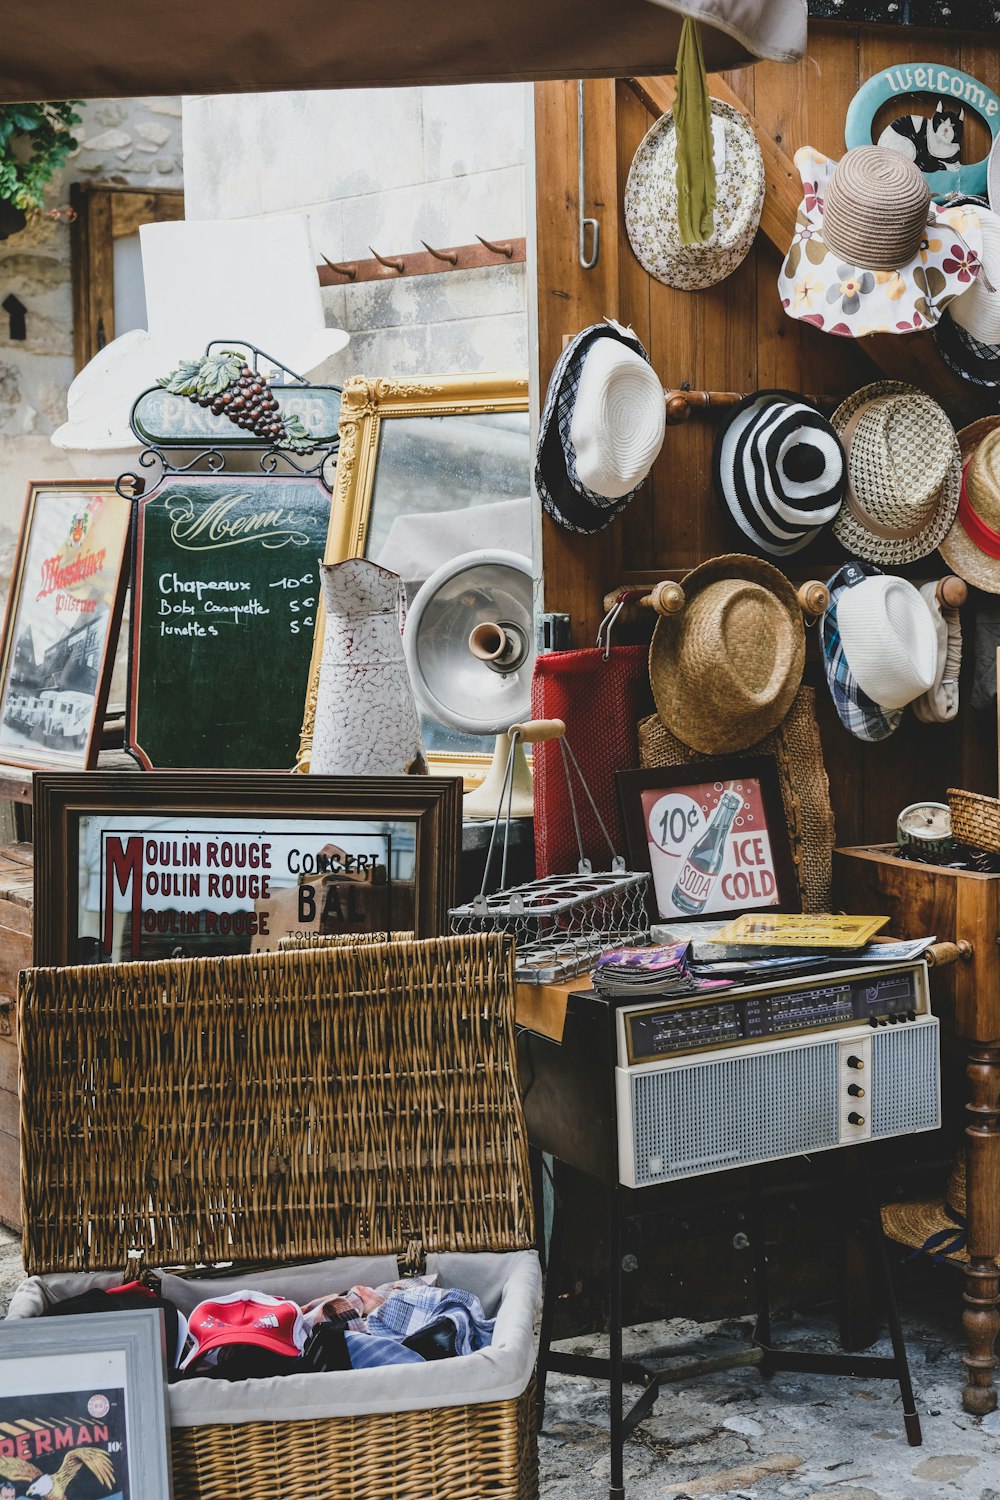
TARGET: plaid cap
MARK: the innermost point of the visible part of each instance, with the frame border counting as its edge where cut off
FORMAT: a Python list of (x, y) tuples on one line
[(860, 714), (559, 488)]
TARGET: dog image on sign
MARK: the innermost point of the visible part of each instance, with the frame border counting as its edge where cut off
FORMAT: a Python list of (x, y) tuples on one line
[(709, 848)]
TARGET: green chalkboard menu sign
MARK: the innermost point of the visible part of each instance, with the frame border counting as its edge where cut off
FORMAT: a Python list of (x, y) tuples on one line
[(225, 586)]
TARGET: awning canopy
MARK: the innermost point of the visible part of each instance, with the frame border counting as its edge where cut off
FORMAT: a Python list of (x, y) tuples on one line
[(62, 49)]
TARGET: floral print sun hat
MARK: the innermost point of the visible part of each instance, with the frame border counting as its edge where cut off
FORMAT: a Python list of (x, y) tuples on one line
[(871, 253)]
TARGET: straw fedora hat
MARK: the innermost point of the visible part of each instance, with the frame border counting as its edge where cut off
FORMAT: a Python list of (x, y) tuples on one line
[(972, 547), (651, 220), (725, 670), (871, 253), (935, 1225), (904, 473)]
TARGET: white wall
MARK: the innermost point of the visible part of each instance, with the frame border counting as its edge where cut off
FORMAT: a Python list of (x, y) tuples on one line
[(383, 168), (133, 142)]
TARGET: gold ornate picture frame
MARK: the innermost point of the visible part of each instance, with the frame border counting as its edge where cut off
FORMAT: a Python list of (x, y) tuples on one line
[(367, 403)]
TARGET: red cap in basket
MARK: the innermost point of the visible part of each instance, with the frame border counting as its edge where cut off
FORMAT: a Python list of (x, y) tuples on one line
[(246, 1318)]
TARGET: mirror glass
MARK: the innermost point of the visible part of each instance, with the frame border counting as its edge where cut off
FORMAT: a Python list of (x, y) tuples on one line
[(443, 486)]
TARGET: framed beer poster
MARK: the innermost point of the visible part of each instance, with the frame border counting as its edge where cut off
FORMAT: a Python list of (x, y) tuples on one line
[(83, 1407), (713, 836), (62, 622)]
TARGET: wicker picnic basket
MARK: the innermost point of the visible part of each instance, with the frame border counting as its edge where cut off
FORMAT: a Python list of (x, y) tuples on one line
[(975, 819), (278, 1108)]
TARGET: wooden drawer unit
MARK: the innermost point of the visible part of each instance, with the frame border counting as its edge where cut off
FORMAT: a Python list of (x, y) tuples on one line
[(16, 900)]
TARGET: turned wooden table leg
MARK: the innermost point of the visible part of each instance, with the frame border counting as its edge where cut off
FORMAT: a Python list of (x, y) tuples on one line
[(982, 1278)]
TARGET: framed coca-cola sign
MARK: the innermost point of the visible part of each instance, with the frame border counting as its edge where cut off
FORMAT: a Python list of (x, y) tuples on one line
[(713, 836)]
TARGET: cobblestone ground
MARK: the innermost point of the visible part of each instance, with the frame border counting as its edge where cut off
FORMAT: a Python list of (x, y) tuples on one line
[(734, 1436)]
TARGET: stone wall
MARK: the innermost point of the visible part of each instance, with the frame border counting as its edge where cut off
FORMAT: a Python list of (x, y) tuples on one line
[(129, 141), (383, 168)]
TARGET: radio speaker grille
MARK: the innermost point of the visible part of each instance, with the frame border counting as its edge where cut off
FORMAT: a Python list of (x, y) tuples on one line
[(904, 1080), (753, 1107)]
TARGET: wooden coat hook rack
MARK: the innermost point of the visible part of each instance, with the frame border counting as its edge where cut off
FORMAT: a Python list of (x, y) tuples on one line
[(681, 403), (431, 261)]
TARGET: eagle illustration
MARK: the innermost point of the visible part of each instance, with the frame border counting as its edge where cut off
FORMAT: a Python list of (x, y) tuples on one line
[(55, 1486)]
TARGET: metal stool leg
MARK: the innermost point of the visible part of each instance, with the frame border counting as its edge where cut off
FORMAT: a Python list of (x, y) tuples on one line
[(551, 1297), (910, 1418), (616, 1490)]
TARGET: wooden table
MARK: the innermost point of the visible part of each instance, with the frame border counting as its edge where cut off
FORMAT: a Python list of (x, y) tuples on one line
[(956, 906)]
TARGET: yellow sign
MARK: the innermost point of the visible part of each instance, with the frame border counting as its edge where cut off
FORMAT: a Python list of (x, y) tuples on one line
[(820, 931)]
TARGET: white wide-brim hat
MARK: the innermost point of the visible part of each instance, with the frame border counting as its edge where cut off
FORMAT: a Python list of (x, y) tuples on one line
[(618, 422), (248, 280), (889, 640), (651, 202), (977, 310)]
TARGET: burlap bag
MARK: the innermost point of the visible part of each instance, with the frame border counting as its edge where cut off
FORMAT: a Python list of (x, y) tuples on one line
[(805, 789)]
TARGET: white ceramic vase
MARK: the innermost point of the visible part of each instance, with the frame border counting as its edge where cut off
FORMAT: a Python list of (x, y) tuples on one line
[(366, 719)]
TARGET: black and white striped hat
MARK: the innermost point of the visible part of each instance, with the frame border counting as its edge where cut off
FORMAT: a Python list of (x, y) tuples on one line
[(780, 470)]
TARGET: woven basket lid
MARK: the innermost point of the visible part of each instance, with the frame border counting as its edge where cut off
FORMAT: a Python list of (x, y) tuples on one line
[(724, 671), (273, 1107), (936, 1225)]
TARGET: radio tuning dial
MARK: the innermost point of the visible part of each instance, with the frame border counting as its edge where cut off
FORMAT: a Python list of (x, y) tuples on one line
[(855, 1062), (856, 1091), (855, 1119)]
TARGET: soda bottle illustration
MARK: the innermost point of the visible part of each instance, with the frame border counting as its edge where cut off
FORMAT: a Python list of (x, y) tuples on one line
[(704, 858)]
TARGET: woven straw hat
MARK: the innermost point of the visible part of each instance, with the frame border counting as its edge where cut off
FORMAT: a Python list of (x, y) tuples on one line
[(904, 473), (725, 670), (972, 547), (651, 202), (937, 1225)]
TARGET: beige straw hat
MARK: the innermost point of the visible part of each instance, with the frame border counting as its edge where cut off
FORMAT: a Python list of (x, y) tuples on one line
[(972, 547), (937, 1225), (904, 473), (724, 671)]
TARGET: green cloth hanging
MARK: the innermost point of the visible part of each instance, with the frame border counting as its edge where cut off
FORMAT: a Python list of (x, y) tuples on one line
[(693, 126)]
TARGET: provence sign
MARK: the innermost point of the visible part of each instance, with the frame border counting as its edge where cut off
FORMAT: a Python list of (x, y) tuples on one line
[(954, 93)]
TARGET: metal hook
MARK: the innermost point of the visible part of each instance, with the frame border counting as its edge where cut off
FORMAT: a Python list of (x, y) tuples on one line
[(505, 250), (608, 624), (350, 271), (451, 256), (588, 262), (392, 265)]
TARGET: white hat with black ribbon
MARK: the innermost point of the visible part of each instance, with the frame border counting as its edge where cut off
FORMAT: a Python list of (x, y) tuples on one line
[(780, 470)]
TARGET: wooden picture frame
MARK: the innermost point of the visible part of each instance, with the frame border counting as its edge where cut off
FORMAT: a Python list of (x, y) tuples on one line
[(366, 406), (89, 1393), (747, 867), (61, 627), (196, 863)]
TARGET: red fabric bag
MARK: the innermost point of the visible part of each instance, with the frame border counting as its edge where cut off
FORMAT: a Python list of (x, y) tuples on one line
[(601, 702)]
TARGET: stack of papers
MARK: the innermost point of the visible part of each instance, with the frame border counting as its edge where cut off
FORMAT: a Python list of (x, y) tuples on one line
[(658, 970)]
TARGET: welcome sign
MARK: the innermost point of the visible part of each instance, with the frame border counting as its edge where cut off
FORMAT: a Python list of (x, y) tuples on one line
[(955, 89)]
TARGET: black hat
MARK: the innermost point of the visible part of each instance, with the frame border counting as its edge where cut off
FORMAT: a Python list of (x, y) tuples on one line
[(780, 470)]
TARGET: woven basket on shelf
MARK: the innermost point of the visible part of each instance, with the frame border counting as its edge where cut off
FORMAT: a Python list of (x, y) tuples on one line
[(975, 819), (381, 1083)]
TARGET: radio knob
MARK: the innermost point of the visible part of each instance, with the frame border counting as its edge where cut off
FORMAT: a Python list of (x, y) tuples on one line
[(873, 1021), (911, 1015), (855, 1062), (892, 1020), (856, 1091), (855, 1119)]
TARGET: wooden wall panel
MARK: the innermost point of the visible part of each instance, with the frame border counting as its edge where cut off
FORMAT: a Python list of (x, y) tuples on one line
[(735, 336)]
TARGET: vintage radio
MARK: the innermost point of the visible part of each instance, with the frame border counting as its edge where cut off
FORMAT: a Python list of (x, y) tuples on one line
[(650, 1092)]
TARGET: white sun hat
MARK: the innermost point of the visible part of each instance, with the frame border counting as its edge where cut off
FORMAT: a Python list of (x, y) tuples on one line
[(978, 309), (242, 279), (889, 639), (618, 422)]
